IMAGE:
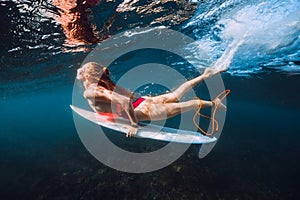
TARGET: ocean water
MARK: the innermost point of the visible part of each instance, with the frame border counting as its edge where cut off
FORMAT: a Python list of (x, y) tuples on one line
[(257, 156)]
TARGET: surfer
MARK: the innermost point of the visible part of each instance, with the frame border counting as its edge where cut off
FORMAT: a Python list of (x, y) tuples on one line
[(104, 96)]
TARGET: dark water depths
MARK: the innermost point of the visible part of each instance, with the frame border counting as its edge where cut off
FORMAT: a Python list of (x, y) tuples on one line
[(256, 157)]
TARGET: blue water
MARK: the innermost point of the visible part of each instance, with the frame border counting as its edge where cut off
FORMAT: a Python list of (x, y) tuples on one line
[(256, 157)]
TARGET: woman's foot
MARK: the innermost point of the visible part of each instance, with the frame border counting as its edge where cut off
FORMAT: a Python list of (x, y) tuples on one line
[(211, 71), (217, 103)]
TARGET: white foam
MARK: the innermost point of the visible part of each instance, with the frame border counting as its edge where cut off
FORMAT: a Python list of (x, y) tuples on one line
[(272, 24)]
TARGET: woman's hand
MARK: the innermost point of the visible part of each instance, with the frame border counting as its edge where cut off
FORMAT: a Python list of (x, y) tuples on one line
[(132, 130)]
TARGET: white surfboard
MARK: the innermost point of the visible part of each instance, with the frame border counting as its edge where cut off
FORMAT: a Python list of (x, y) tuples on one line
[(145, 130)]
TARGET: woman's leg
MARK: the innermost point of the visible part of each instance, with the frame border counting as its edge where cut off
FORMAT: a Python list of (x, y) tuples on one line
[(178, 93), (154, 112)]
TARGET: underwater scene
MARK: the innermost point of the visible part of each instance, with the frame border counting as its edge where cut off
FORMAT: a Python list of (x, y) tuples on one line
[(256, 43)]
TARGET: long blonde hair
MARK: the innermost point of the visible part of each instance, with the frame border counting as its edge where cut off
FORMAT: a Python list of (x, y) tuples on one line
[(100, 74)]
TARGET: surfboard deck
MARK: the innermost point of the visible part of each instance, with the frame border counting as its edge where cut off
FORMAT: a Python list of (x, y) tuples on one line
[(149, 131)]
